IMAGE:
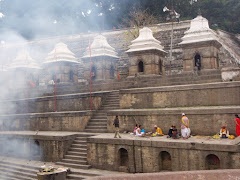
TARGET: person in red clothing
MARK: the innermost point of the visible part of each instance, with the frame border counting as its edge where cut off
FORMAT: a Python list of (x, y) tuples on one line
[(237, 121)]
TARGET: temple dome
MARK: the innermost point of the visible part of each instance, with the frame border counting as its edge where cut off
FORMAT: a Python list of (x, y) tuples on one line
[(145, 41), (100, 47), (199, 31), (23, 61), (61, 53)]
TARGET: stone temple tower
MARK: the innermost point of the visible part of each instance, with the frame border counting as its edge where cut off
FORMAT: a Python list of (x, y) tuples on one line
[(200, 43), (103, 60), (24, 69), (146, 55), (61, 65)]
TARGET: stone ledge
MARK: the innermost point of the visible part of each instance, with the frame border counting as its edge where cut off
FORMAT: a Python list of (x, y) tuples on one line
[(69, 96), (51, 114), (218, 85), (178, 111)]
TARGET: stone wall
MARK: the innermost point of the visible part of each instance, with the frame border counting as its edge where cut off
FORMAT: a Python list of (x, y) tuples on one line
[(35, 147), (68, 102), (146, 155), (59, 121), (215, 94), (203, 121)]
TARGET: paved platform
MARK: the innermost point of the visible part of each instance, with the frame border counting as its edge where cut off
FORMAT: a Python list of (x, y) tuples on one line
[(193, 139), (224, 174)]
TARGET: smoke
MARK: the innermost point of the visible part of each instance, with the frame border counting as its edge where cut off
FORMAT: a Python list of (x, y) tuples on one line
[(43, 18)]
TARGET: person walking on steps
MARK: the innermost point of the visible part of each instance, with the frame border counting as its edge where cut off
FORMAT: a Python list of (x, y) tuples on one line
[(116, 124)]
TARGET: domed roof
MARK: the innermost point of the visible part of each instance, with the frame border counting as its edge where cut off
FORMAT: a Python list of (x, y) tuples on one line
[(61, 53), (100, 47), (199, 31), (23, 61), (145, 41)]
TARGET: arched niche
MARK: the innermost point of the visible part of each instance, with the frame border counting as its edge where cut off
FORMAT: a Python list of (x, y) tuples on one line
[(165, 161)]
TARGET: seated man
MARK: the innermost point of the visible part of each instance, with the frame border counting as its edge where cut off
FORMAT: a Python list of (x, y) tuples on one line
[(175, 134), (224, 133), (170, 132), (158, 131)]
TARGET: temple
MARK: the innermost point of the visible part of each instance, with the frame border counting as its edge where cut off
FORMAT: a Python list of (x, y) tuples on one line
[(59, 98)]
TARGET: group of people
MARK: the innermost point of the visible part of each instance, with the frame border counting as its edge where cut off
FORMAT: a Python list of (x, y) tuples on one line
[(173, 132), (224, 132)]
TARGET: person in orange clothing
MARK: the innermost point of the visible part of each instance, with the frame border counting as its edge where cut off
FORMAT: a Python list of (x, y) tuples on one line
[(158, 131), (237, 122)]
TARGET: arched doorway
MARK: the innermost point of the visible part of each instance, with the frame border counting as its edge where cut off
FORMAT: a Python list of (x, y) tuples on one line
[(93, 72), (197, 60), (165, 161), (123, 157), (35, 148), (140, 66), (212, 162), (160, 66)]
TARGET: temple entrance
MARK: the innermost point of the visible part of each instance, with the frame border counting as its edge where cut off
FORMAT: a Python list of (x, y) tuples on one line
[(197, 61), (212, 162), (165, 162), (93, 72), (112, 72), (71, 76), (160, 66), (140, 66)]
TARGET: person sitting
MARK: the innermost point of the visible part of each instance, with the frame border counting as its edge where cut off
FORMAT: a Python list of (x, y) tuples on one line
[(138, 131), (135, 129), (224, 133), (170, 132), (175, 134), (158, 131), (143, 132)]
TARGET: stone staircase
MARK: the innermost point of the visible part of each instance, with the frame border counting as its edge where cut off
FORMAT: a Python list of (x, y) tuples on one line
[(76, 158), (16, 171), (98, 123)]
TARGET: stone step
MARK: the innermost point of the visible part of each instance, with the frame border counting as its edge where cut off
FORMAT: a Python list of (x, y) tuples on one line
[(80, 141), (75, 157), (18, 174), (75, 153), (74, 161), (19, 168), (77, 166), (97, 123), (94, 130), (78, 149), (96, 127), (115, 105), (79, 146), (110, 108), (19, 165), (99, 116), (99, 120)]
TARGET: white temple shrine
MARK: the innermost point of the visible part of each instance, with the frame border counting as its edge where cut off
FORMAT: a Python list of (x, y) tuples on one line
[(200, 46), (61, 65), (146, 54), (23, 61), (103, 60)]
